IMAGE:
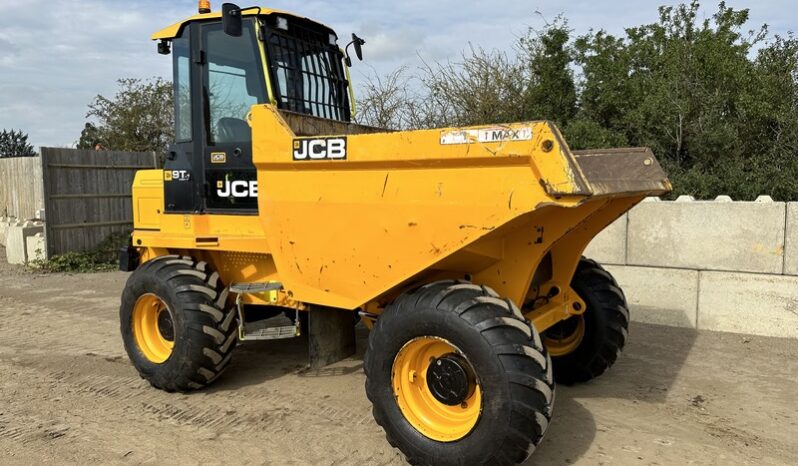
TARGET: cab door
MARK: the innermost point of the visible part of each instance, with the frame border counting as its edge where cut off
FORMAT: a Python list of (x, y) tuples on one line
[(183, 167), (232, 81)]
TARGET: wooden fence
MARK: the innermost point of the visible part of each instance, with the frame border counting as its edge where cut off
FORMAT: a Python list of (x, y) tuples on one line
[(21, 192), (87, 196)]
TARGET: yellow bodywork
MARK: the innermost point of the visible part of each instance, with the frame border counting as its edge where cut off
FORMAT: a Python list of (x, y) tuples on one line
[(407, 208)]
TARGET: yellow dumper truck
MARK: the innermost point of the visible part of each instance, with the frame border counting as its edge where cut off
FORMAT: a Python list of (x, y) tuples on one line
[(459, 248)]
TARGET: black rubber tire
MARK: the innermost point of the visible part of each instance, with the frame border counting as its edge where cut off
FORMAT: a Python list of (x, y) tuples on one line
[(205, 323), (606, 326), (506, 353)]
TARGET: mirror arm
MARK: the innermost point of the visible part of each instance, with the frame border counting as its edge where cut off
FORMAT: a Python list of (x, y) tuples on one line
[(347, 58), (357, 42)]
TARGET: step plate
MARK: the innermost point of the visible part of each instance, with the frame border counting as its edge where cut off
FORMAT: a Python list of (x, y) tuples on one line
[(252, 288), (271, 333)]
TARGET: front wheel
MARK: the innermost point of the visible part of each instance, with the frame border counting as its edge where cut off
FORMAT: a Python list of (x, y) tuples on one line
[(584, 347), (177, 326), (457, 376)]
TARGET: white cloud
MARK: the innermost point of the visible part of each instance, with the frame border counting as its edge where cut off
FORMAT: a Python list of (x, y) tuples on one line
[(56, 56)]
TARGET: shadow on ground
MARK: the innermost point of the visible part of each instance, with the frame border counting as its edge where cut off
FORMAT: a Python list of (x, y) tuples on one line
[(645, 372)]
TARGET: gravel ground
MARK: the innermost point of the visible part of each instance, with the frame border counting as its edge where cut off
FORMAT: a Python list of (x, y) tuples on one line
[(68, 395)]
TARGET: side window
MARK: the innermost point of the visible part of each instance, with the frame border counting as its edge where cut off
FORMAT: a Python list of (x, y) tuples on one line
[(182, 82), (234, 83)]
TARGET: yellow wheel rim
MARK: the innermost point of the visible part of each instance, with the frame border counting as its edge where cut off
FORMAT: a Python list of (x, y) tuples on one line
[(153, 329), (561, 344), (421, 408)]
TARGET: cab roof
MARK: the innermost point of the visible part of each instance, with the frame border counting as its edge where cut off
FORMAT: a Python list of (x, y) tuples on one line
[(174, 30)]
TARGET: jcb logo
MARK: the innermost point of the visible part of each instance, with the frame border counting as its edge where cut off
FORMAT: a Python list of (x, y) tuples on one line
[(238, 189), (320, 149)]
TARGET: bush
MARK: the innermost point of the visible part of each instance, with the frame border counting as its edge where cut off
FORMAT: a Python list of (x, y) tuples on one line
[(102, 259)]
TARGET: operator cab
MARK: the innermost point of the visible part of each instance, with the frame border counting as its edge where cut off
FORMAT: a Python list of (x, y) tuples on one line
[(224, 63)]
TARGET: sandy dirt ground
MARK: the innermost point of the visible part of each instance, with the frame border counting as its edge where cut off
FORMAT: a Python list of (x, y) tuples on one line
[(68, 395)]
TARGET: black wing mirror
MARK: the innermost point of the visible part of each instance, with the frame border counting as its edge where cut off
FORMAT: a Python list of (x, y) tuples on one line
[(358, 43), (231, 20)]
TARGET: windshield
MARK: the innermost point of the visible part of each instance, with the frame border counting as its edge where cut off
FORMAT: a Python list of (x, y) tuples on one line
[(307, 70)]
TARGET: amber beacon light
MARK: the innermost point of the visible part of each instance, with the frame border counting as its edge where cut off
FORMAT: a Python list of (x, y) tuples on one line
[(204, 6)]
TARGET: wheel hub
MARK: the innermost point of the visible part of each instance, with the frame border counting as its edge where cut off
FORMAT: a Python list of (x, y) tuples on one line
[(565, 337), (165, 325), (436, 389), (153, 328), (450, 379)]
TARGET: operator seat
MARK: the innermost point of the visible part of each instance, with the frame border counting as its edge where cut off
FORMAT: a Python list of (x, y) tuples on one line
[(232, 130)]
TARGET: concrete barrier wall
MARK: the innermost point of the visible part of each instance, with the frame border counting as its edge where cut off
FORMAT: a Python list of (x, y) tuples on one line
[(714, 265)]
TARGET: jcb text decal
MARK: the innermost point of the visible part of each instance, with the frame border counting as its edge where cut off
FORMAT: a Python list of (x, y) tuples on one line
[(238, 189), (320, 149)]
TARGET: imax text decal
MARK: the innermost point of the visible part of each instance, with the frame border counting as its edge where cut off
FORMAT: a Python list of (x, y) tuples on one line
[(486, 135)]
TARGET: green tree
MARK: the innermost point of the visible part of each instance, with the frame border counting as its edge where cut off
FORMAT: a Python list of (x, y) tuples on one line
[(483, 87), (716, 100), (140, 117), (549, 90), (688, 89), (15, 144), (90, 137)]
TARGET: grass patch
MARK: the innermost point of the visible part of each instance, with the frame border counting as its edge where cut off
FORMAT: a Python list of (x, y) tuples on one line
[(104, 258)]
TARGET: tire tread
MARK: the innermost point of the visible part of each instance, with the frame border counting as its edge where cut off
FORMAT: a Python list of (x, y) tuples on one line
[(513, 340)]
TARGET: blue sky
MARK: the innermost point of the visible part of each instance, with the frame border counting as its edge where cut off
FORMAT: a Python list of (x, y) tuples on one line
[(55, 56)]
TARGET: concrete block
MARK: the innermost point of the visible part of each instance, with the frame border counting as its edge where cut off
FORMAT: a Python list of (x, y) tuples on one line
[(748, 303), (35, 248), (791, 240), (708, 235), (4, 224), (609, 246), (659, 296), (16, 244)]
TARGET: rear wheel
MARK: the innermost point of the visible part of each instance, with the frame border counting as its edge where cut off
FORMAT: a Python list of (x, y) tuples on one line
[(177, 326), (584, 347), (457, 376)]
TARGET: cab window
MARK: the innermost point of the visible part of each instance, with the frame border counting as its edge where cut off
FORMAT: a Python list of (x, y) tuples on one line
[(234, 82), (182, 83)]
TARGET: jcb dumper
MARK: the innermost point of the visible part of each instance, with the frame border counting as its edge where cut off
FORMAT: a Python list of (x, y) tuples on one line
[(459, 248)]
